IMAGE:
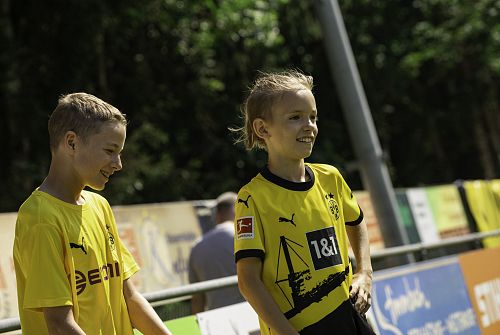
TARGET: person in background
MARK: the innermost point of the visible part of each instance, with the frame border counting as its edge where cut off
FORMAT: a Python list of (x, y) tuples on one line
[(294, 221), (72, 270), (213, 257)]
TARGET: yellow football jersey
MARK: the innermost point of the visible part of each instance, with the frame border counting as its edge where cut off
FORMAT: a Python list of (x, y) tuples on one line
[(70, 255), (298, 230)]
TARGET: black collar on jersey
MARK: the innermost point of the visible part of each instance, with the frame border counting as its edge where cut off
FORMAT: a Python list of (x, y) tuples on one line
[(289, 185)]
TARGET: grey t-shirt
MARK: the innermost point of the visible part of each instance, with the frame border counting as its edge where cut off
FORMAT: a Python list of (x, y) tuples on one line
[(213, 257)]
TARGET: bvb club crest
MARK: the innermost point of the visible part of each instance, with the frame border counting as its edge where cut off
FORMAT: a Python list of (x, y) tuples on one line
[(333, 205), (111, 238)]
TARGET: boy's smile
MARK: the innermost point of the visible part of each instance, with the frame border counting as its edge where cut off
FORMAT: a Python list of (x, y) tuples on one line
[(99, 157)]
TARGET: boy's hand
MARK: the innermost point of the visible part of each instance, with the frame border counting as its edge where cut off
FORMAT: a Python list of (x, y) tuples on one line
[(361, 290)]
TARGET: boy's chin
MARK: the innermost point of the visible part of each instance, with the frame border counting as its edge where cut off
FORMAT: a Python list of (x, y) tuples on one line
[(307, 155), (97, 187)]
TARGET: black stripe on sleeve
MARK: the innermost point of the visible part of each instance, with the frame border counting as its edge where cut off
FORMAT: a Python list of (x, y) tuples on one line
[(357, 221), (249, 253)]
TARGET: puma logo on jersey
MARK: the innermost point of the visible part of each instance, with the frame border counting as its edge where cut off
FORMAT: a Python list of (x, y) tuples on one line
[(282, 219), (245, 202), (77, 246)]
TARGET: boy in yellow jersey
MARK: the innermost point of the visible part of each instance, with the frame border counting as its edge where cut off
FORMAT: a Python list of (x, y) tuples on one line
[(293, 221), (72, 269)]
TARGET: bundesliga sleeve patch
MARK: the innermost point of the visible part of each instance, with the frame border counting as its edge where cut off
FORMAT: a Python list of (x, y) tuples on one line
[(244, 228)]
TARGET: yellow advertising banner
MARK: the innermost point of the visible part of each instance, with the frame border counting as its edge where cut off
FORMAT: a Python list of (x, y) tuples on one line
[(447, 210), (365, 202), (495, 189), (481, 270), (484, 204), (8, 293), (160, 237)]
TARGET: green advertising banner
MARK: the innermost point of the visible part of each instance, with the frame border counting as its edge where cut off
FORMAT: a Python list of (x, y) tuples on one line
[(407, 217), (447, 210)]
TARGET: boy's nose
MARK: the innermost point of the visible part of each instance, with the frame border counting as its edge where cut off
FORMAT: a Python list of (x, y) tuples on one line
[(117, 163), (310, 125)]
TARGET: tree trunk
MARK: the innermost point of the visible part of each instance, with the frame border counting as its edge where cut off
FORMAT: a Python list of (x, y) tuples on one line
[(484, 152), (492, 117), (439, 151)]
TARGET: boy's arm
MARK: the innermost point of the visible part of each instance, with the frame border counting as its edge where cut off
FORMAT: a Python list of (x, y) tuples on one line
[(60, 320), (142, 315), (362, 279), (251, 286)]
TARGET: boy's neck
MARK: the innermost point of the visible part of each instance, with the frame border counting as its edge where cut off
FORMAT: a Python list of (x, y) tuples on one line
[(57, 184), (293, 171)]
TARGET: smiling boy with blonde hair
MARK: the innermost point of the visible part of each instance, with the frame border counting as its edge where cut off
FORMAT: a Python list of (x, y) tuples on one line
[(72, 269)]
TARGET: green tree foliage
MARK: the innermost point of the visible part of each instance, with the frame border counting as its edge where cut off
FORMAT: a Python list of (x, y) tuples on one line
[(432, 76), (180, 70)]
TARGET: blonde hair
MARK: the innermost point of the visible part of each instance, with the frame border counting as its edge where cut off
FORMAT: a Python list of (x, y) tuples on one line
[(82, 113), (267, 89)]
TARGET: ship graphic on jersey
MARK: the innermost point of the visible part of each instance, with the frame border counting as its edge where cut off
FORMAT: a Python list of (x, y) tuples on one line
[(297, 276)]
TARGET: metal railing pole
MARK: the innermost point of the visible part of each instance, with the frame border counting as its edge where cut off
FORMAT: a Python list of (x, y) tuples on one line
[(7, 325), (182, 291), (427, 246)]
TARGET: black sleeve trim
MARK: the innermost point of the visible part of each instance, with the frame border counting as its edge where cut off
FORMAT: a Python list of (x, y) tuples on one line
[(357, 221), (249, 253)]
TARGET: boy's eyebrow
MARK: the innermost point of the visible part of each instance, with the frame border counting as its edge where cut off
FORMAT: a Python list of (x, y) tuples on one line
[(302, 111), (114, 145)]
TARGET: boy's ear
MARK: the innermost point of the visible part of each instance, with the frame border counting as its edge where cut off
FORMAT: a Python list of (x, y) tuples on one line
[(260, 128), (70, 140)]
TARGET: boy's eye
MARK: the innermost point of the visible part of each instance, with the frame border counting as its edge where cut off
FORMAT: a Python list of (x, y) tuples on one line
[(109, 151), (294, 117)]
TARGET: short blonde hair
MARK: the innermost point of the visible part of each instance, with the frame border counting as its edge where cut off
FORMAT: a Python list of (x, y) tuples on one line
[(267, 89), (82, 113)]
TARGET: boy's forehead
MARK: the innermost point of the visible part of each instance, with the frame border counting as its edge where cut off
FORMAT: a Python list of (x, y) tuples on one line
[(109, 127), (299, 99), (110, 132)]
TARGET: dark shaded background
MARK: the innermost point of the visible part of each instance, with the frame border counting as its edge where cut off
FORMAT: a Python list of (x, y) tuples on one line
[(180, 70)]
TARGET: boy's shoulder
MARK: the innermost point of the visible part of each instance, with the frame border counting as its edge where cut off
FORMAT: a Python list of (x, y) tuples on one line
[(38, 208), (37, 199), (257, 182), (96, 202), (94, 197), (324, 169), (41, 203)]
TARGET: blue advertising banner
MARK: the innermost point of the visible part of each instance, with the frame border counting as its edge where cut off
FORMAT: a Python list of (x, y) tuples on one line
[(425, 299)]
